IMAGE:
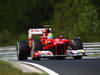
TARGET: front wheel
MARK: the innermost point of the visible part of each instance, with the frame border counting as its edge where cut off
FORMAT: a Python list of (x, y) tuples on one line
[(77, 44), (22, 50)]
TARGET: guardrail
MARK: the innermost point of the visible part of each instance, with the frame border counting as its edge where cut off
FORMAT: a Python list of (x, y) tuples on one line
[(92, 48)]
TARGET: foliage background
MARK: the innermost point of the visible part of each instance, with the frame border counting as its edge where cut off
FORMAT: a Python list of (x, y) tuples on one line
[(71, 18)]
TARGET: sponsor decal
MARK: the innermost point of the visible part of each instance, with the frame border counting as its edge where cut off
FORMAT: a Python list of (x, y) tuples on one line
[(37, 30), (45, 53)]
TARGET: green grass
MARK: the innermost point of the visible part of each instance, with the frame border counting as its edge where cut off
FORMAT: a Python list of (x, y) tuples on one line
[(8, 69)]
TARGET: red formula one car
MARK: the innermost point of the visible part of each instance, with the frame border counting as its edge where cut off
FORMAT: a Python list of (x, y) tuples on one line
[(44, 46)]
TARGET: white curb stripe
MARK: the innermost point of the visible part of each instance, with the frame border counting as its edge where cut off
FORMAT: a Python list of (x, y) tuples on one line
[(49, 71)]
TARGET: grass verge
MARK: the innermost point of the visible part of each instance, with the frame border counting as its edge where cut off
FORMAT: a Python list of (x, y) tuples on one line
[(8, 69)]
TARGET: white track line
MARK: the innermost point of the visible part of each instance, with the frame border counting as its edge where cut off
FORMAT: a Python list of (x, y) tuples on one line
[(49, 71)]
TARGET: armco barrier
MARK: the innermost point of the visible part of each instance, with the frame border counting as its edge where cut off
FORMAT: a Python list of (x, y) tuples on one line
[(92, 48)]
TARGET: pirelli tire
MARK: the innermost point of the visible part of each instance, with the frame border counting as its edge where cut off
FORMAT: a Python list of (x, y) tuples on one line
[(77, 44), (23, 50)]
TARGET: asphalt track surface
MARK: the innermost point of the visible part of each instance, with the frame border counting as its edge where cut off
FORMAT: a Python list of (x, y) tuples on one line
[(72, 67), (86, 66)]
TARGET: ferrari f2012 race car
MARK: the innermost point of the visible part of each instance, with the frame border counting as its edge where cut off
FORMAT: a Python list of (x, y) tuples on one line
[(47, 47)]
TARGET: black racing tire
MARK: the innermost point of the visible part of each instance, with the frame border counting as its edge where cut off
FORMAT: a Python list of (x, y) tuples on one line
[(37, 46), (77, 44), (23, 51), (77, 57)]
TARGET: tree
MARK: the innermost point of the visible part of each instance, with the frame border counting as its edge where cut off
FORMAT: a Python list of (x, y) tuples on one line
[(75, 18)]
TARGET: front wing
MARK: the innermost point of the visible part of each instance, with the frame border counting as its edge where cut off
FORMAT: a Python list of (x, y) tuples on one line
[(69, 53)]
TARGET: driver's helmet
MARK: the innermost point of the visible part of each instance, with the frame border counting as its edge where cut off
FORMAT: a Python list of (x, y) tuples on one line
[(50, 36)]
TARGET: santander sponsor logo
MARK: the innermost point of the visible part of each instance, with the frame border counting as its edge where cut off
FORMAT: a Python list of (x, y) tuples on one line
[(37, 30)]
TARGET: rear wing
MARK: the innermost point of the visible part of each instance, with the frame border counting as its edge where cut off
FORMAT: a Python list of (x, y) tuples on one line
[(36, 32)]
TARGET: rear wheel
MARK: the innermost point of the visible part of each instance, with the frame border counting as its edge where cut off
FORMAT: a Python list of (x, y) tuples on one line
[(23, 50)]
